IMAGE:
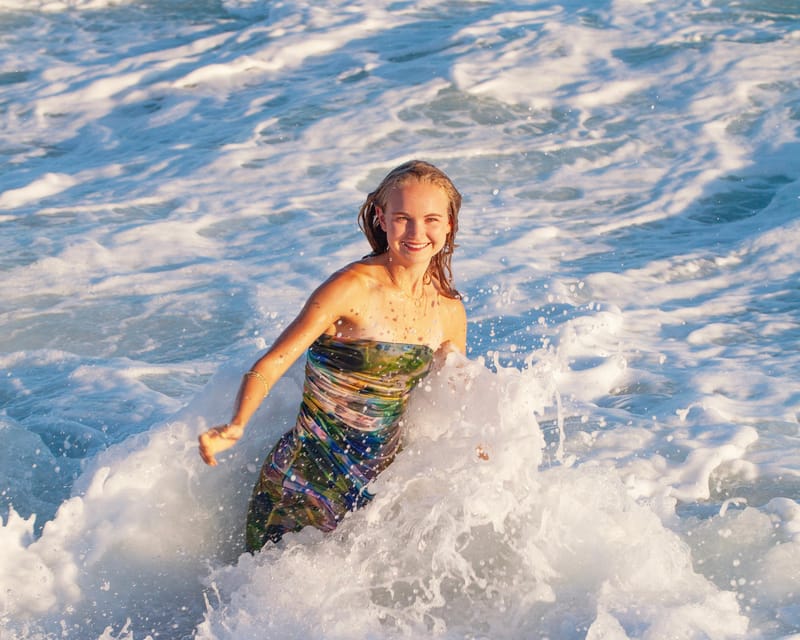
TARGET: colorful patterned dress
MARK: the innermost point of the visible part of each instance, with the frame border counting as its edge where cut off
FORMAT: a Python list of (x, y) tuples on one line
[(347, 432)]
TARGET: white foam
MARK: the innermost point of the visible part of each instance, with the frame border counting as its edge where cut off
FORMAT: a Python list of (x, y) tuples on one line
[(177, 177), (453, 544), (43, 187)]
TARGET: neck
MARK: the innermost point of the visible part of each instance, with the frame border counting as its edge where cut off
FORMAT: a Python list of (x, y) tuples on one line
[(409, 280)]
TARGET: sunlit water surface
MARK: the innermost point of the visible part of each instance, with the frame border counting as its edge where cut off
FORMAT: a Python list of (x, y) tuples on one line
[(176, 178)]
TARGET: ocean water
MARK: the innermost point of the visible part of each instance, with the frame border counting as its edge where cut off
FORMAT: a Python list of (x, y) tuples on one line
[(176, 177)]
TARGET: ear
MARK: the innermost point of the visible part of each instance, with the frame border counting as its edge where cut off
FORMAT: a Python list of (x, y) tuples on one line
[(380, 219)]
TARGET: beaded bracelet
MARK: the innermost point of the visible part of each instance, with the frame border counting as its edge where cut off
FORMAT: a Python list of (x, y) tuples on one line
[(256, 374)]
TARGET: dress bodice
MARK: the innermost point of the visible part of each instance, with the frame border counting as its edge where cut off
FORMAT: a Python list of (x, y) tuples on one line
[(348, 430)]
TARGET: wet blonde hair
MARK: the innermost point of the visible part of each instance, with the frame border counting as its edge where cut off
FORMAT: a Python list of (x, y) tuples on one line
[(439, 269)]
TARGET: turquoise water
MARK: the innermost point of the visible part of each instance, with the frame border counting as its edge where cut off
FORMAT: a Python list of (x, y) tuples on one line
[(176, 178)]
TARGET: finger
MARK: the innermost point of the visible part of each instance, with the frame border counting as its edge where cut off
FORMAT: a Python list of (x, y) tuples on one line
[(207, 457)]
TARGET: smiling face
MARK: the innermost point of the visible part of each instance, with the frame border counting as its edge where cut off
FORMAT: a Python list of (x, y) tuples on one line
[(416, 221)]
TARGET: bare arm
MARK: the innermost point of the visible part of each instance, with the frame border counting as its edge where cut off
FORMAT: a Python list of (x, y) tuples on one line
[(321, 311)]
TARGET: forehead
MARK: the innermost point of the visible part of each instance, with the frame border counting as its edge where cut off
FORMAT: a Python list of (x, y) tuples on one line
[(416, 196)]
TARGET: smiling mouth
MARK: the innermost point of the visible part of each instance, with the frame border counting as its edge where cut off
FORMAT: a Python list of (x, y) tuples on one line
[(416, 246)]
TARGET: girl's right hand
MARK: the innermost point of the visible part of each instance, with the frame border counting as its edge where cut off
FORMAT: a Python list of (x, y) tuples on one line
[(218, 439)]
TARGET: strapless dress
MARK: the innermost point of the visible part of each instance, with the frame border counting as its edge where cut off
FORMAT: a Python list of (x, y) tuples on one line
[(348, 430)]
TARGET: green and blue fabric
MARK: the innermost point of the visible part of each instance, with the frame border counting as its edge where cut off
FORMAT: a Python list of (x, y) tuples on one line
[(347, 432)]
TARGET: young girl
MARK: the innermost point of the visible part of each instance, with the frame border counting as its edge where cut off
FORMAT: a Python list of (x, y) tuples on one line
[(370, 332)]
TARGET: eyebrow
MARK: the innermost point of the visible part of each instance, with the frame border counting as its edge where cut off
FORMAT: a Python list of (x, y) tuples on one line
[(401, 212)]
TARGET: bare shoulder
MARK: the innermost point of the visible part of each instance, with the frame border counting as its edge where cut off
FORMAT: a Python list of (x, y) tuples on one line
[(344, 297), (349, 280), (364, 268), (453, 307), (455, 322)]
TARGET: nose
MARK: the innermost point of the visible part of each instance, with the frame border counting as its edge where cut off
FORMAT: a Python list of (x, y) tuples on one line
[(414, 230)]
